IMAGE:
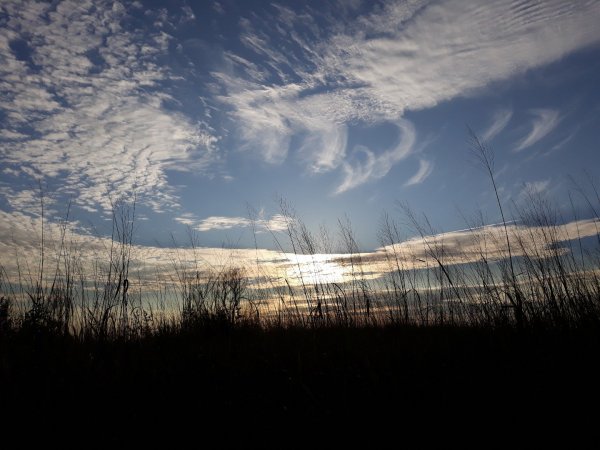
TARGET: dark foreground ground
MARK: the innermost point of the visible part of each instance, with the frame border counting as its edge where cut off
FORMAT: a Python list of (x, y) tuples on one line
[(300, 387)]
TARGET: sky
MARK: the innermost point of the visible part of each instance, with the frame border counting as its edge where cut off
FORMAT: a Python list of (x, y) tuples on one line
[(209, 113)]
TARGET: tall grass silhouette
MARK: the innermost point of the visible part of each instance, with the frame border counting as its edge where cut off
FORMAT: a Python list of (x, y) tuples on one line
[(527, 271), (506, 318)]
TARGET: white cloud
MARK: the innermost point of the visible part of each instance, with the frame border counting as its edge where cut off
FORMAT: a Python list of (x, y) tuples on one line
[(532, 188), (20, 250), (425, 169), (372, 166), (29, 200), (9, 171), (186, 219), (222, 223), (564, 141), (468, 246), (277, 222), (87, 104), (499, 122), (537, 187), (218, 8), (91, 99), (404, 56), (324, 147), (21, 243), (544, 121)]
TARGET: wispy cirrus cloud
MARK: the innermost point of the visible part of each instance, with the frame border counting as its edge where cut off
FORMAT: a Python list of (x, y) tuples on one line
[(425, 169), (564, 141), (500, 120), (403, 56), (371, 166), (83, 101), (324, 148), (544, 121), (533, 188)]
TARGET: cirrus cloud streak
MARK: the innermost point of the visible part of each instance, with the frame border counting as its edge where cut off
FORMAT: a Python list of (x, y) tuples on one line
[(406, 56)]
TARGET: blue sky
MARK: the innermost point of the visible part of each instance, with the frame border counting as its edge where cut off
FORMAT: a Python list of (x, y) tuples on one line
[(340, 107)]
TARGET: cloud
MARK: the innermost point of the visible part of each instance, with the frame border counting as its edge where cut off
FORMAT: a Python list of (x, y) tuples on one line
[(372, 166), (21, 243), (425, 169), (499, 122), (324, 148), (533, 188), (20, 249), (222, 223), (404, 56), (29, 200), (84, 103), (277, 222), (85, 85), (562, 143), (544, 121), (468, 246), (537, 186), (186, 219)]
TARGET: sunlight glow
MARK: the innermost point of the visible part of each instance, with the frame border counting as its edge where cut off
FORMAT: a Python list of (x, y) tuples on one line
[(316, 269)]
